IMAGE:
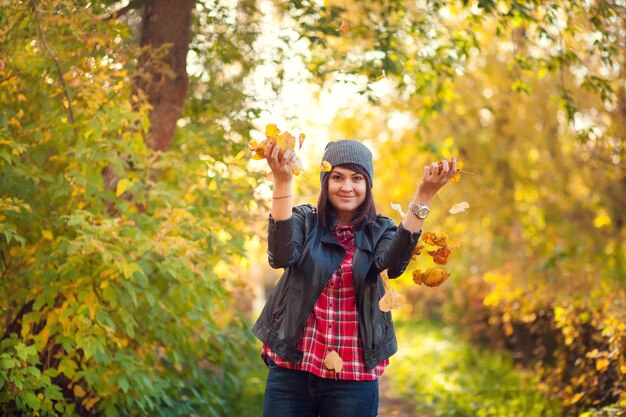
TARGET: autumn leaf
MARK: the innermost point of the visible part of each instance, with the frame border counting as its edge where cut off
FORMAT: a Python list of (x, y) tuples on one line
[(417, 251), (457, 175), (271, 131), (122, 186), (602, 364), (440, 240), (283, 140), (440, 256), (325, 166), (397, 207), (333, 361), (79, 391), (432, 277), (385, 279), (392, 299), (433, 239), (344, 28), (301, 139), (459, 208)]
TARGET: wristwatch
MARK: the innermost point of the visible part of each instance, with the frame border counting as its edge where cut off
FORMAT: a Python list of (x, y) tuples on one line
[(420, 211)]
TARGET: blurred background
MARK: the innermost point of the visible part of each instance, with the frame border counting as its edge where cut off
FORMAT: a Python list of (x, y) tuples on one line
[(133, 239)]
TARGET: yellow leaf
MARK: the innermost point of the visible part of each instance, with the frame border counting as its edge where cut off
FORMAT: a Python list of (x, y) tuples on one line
[(325, 166), (602, 364), (432, 277), (301, 139), (576, 398), (622, 369), (344, 28), (47, 234), (79, 391), (459, 207), (333, 361), (392, 299), (397, 207), (271, 130), (90, 402), (240, 154), (385, 279), (122, 186)]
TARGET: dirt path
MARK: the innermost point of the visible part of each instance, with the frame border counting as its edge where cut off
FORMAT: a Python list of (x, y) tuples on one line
[(391, 404)]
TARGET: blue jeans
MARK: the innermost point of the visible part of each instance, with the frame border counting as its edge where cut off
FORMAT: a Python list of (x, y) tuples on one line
[(290, 393)]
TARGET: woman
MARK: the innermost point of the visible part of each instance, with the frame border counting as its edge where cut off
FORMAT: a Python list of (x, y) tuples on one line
[(325, 305)]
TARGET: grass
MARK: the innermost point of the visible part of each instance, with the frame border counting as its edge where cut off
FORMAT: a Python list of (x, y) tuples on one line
[(250, 401), (442, 375)]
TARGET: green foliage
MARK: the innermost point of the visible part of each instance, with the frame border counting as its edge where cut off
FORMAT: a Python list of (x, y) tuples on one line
[(114, 260), (443, 375)]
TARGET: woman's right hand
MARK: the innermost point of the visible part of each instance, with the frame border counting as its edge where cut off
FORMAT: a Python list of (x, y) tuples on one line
[(281, 166)]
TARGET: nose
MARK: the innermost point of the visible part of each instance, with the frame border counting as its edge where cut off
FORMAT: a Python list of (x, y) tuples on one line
[(347, 186)]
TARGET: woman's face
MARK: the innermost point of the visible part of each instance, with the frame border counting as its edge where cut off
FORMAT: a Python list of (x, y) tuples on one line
[(346, 192)]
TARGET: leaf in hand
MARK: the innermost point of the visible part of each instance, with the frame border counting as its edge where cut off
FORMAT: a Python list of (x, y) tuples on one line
[(283, 140), (457, 174)]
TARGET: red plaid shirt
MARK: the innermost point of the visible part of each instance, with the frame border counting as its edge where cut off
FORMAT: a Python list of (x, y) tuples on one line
[(334, 325)]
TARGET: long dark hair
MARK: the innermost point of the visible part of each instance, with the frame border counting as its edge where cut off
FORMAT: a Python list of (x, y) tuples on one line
[(364, 214)]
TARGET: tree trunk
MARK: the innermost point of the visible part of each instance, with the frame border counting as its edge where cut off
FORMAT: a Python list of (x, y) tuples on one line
[(165, 23)]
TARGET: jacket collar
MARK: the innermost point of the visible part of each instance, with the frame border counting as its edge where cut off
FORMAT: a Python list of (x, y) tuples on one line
[(360, 239)]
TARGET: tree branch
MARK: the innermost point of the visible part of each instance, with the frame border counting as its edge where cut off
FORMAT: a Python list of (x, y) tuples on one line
[(55, 59)]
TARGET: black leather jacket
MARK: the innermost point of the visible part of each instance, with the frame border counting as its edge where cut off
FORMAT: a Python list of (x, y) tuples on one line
[(310, 254)]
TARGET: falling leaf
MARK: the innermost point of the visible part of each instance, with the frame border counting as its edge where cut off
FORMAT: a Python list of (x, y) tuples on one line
[(325, 166), (122, 186), (397, 207), (392, 299), (440, 256), (459, 208), (344, 28), (271, 130), (47, 234), (385, 279), (417, 251), (432, 277), (433, 239), (333, 361), (301, 139)]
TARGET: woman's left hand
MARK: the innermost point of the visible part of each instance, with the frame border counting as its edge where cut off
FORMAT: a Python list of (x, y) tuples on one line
[(435, 177)]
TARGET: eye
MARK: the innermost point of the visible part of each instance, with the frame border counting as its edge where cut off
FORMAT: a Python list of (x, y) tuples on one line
[(336, 177), (358, 178)]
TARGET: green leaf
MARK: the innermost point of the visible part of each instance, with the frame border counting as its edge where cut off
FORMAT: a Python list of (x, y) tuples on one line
[(31, 400)]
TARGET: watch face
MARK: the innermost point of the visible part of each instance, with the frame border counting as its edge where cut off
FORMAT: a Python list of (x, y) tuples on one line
[(422, 212)]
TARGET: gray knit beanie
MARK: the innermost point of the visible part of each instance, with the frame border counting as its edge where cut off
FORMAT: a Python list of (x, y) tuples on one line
[(348, 151)]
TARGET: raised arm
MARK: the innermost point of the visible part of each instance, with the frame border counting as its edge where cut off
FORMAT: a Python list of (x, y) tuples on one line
[(281, 166), (434, 178)]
